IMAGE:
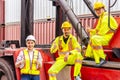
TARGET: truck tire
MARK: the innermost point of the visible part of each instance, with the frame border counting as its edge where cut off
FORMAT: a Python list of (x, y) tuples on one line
[(6, 70)]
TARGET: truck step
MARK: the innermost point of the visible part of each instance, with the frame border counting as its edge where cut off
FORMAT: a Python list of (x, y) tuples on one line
[(109, 64)]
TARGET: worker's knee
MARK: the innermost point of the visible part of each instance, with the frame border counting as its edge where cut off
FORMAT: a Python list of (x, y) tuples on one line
[(53, 70), (50, 71), (95, 41)]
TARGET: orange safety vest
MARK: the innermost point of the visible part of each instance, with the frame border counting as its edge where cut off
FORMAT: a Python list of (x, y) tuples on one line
[(30, 69)]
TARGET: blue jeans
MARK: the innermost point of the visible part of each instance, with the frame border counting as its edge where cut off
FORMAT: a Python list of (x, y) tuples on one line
[(30, 77)]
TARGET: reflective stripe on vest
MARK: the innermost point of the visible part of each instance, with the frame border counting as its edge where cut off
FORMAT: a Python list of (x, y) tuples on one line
[(30, 69)]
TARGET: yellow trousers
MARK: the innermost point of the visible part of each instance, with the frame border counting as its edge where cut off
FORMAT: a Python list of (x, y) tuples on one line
[(94, 48), (60, 64)]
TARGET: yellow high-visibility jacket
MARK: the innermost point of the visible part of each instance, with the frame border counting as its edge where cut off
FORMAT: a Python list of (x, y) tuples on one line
[(102, 26), (71, 46), (30, 68)]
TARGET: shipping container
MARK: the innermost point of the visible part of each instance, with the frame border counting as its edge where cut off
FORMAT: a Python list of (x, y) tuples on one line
[(44, 9), (12, 31), (44, 30), (12, 11), (1, 12), (2, 33)]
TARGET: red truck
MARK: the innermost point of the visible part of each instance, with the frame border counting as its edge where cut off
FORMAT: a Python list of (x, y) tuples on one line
[(108, 71)]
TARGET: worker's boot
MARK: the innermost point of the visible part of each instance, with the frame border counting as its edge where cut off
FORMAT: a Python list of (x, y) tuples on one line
[(101, 63), (78, 78)]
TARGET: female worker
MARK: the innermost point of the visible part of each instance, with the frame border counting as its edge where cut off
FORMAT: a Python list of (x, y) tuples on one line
[(29, 61)]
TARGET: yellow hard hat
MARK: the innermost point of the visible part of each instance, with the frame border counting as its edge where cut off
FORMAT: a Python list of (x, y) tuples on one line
[(66, 24), (98, 5)]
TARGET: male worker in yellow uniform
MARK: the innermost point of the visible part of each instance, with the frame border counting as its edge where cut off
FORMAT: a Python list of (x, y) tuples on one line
[(69, 53), (101, 35)]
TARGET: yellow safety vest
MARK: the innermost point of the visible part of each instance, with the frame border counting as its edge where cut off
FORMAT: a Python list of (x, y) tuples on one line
[(69, 44), (102, 26), (72, 45), (30, 69)]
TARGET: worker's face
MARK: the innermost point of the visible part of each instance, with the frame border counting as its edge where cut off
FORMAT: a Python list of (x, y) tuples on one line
[(30, 44), (99, 11), (66, 31)]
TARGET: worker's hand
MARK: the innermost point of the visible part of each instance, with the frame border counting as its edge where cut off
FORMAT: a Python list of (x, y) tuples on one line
[(22, 61), (39, 64), (19, 63), (54, 45), (54, 48), (88, 29), (66, 57), (83, 50)]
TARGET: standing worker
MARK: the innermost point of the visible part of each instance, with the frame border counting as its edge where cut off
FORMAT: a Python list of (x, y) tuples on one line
[(69, 52), (29, 61), (101, 35)]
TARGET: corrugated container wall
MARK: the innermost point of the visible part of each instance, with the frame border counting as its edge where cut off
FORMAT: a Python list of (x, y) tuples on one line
[(43, 9), (44, 30), (12, 32), (12, 19), (12, 11), (1, 20), (80, 8), (1, 12), (116, 7)]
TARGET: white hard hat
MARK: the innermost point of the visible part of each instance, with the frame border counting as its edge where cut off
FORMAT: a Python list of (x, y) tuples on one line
[(30, 37)]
